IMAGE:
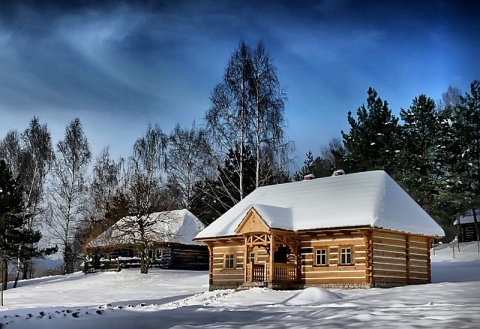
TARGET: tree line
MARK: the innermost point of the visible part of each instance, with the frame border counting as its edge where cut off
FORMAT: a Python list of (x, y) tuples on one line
[(432, 150), (207, 169)]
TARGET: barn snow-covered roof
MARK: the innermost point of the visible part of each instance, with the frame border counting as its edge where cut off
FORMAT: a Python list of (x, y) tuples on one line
[(468, 218), (370, 198), (179, 226)]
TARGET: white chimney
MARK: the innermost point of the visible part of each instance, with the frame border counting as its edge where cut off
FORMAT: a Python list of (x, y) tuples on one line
[(308, 177), (339, 172)]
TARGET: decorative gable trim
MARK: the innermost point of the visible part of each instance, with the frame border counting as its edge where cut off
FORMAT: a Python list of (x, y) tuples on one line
[(252, 222)]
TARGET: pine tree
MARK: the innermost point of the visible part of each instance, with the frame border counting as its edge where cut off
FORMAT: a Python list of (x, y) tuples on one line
[(317, 166), (214, 196), (417, 158), (204, 201), (468, 173), (372, 142), (13, 231), (460, 156), (222, 193)]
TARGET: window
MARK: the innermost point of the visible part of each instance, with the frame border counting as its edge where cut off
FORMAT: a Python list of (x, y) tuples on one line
[(321, 257), (230, 261), (251, 258), (345, 256)]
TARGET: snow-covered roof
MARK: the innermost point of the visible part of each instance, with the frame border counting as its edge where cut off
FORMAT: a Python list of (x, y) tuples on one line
[(178, 226), (370, 198), (468, 218)]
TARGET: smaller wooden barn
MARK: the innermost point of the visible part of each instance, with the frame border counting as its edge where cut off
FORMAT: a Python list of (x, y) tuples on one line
[(348, 231), (466, 226), (169, 235)]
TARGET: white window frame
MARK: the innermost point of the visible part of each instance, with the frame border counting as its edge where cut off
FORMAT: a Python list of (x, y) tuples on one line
[(322, 255), (345, 253), (229, 262), (251, 257)]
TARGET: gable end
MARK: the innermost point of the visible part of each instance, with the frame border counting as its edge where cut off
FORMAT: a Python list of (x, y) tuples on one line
[(252, 222)]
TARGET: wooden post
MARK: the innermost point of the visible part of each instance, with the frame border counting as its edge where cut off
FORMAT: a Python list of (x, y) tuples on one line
[(245, 259), (272, 252), (296, 250), (210, 263)]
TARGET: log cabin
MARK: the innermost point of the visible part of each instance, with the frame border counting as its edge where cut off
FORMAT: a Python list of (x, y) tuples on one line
[(466, 226), (169, 235), (348, 231)]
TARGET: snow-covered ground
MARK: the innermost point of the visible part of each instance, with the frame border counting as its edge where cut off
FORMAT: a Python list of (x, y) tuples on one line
[(180, 299)]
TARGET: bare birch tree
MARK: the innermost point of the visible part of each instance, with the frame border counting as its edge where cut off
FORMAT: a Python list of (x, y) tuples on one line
[(228, 117), (144, 190), (187, 161), (68, 189), (246, 115), (104, 188), (270, 148), (29, 155), (106, 180), (36, 160), (10, 151)]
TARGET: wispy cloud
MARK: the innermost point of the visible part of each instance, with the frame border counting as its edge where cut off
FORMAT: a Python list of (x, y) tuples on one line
[(119, 65)]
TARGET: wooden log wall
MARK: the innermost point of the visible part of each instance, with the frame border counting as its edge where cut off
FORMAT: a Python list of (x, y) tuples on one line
[(400, 258), (222, 276), (466, 232), (334, 273), (186, 257), (261, 255), (379, 258)]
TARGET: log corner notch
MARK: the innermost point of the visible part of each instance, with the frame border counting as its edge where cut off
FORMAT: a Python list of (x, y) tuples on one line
[(367, 234), (210, 262), (430, 242)]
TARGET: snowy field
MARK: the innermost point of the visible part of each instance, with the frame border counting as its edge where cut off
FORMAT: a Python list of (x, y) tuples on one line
[(180, 299)]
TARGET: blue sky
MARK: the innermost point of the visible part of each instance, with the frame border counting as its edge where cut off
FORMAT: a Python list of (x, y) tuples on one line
[(121, 65)]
